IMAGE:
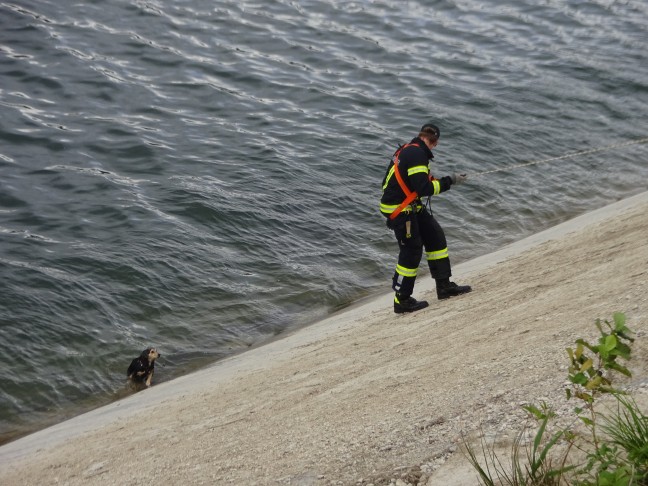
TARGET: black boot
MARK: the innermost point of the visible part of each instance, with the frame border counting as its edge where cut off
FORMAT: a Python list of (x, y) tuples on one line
[(447, 289), (408, 304)]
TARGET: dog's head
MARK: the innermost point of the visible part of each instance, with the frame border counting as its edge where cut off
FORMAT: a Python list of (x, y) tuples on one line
[(150, 354)]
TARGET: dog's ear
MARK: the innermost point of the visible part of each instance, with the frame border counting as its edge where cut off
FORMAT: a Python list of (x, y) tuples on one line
[(145, 353)]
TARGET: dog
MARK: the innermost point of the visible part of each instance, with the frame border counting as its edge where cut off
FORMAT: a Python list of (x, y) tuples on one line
[(141, 369)]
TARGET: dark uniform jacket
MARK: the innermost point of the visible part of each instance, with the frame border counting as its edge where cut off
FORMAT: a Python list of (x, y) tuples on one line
[(413, 165)]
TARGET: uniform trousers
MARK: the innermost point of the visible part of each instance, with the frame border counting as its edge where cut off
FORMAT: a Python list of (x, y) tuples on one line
[(422, 232)]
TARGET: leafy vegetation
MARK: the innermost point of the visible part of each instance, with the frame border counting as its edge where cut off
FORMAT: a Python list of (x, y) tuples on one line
[(607, 449)]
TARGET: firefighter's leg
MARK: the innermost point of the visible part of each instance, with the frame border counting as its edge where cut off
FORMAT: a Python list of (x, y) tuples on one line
[(436, 246), (436, 254), (409, 257)]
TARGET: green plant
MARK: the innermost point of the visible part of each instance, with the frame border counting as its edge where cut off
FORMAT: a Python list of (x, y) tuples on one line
[(617, 458), (588, 373), (531, 464), (627, 428), (591, 376)]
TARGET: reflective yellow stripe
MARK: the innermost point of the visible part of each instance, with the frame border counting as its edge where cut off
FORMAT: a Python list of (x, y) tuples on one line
[(437, 187), (418, 170), (388, 208), (389, 175), (406, 272), (437, 255)]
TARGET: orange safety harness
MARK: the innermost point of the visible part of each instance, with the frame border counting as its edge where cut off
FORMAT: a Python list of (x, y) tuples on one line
[(409, 195)]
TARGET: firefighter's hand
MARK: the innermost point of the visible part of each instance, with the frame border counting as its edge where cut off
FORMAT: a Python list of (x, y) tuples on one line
[(458, 178)]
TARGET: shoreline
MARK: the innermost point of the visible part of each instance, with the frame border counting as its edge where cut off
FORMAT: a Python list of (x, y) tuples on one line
[(363, 392)]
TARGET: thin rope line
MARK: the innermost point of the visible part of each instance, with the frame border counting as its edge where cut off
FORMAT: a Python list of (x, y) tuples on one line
[(575, 154)]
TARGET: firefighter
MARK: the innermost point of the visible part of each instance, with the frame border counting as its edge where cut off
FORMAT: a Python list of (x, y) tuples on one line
[(407, 180)]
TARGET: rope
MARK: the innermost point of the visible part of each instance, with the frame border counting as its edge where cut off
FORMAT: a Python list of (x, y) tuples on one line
[(575, 154)]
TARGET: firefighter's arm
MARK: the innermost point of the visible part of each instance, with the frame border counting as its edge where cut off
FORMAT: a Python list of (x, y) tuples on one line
[(436, 186)]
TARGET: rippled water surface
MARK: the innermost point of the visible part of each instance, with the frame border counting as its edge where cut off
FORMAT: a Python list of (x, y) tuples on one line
[(202, 176)]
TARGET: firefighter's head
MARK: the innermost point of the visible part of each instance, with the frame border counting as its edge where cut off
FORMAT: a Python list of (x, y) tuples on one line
[(430, 134)]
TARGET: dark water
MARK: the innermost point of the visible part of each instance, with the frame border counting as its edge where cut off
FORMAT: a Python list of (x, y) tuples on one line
[(202, 176)]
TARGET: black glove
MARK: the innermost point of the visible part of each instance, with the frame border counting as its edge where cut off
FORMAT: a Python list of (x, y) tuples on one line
[(458, 178)]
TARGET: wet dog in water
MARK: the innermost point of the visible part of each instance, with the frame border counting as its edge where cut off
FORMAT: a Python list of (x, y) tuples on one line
[(141, 369)]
